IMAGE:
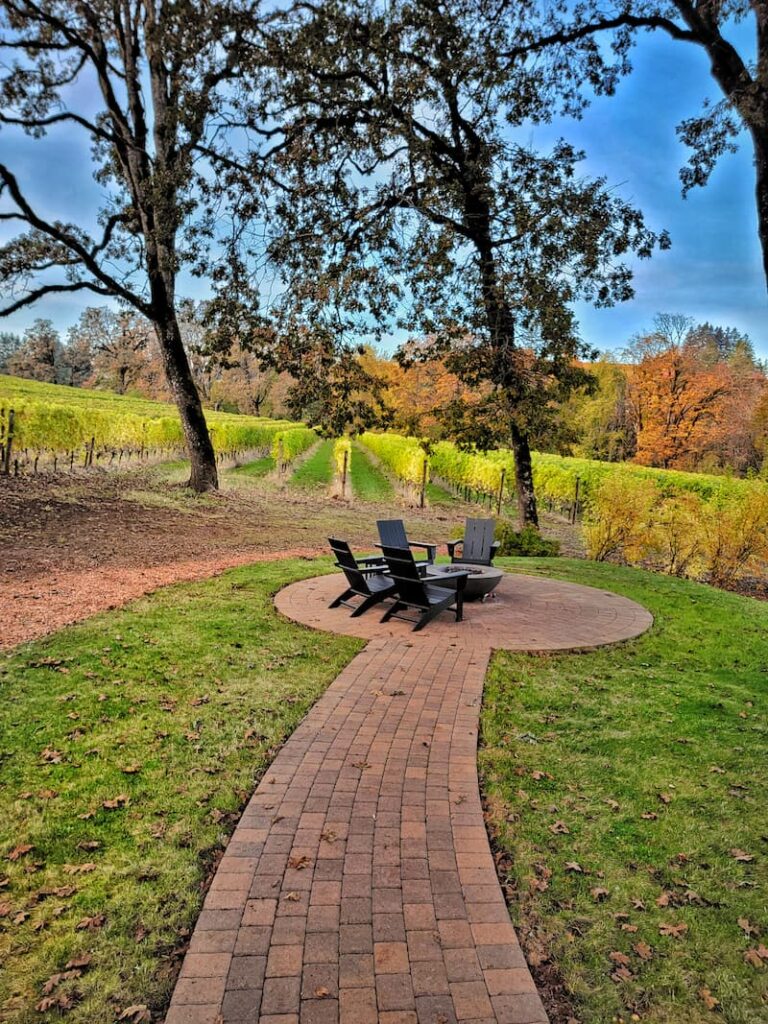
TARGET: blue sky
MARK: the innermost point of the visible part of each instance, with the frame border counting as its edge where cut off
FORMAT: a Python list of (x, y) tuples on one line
[(712, 272)]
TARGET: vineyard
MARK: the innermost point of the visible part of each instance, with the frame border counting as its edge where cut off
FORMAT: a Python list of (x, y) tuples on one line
[(683, 523), (49, 425)]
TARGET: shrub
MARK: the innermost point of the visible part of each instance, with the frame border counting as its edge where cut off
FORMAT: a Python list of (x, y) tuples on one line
[(676, 533), (618, 518), (527, 542), (735, 536)]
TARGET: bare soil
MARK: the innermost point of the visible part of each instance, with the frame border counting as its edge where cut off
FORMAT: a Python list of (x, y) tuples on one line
[(71, 546)]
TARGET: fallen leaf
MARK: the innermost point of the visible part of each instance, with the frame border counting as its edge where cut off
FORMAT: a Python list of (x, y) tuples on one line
[(752, 956), (622, 974), (293, 896), (741, 855), (747, 927), (56, 979), (619, 958), (299, 861), (131, 769), (559, 828), (599, 894), (321, 992), (676, 931), (572, 865), (91, 924), (80, 962), (631, 928), (643, 950), (137, 1013), (709, 1000), (52, 756), (79, 869), (19, 851), (121, 800), (665, 798), (649, 816)]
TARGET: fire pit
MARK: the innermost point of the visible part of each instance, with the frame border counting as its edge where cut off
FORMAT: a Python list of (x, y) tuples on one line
[(483, 579)]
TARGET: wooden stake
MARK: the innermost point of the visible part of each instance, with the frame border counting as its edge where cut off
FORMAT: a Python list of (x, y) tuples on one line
[(9, 443)]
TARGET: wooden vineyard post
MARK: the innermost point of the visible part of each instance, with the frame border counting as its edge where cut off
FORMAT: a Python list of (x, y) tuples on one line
[(344, 474), (500, 496), (423, 493), (575, 507), (90, 453), (8, 444)]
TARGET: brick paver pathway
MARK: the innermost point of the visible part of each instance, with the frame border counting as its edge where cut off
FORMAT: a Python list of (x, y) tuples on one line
[(359, 887)]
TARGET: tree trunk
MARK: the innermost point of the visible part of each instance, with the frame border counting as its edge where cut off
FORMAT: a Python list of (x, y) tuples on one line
[(526, 496), (761, 193), (204, 475)]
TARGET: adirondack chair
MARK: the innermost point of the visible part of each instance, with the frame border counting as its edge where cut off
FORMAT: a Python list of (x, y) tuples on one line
[(392, 534), (477, 546), (419, 593), (365, 578)]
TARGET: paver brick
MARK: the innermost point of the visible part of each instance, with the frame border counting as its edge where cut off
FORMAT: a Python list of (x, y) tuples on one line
[(374, 799)]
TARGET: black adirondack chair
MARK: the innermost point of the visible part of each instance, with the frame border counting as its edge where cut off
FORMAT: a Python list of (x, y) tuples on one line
[(392, 535), (365, 576), (477, 546), (423, 595)]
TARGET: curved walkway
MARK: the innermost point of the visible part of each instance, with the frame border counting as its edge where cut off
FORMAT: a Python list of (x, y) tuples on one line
[(359, 887)]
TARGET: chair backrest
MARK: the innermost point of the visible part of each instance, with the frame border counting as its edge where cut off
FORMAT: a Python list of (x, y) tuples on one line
[(392, 533), (348, 565), (403, 569), (478, 538)]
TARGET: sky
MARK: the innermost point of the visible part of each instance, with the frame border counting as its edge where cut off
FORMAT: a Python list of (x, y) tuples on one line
[(712, 272)]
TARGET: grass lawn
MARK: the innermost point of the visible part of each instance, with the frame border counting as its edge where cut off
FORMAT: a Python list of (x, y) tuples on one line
[(628, 788), (128, 746), (317, 470), (368, 482), (257, 468)]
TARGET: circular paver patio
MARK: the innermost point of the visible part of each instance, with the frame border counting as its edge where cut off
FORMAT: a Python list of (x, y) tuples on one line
[(526, 613), (359, 886)]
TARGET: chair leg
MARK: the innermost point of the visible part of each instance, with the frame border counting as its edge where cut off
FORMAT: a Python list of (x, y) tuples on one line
[(341, 598), (459, 606), (365, 604), (391, 611)]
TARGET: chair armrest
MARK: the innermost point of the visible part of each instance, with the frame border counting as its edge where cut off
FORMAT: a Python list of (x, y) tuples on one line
[(431, 549), (495, 548), (452, 545), (450, 581), (378, 559)]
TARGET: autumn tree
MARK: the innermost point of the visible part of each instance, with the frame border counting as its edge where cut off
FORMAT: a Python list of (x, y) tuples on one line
[(39, 356), (693, 402), (420, 206), (145, 82), (573, 35), (416, 395)]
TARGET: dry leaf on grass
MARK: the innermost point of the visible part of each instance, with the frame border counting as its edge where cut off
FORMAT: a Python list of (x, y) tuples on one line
[(19, 851), (675, 931), (709, 1000)]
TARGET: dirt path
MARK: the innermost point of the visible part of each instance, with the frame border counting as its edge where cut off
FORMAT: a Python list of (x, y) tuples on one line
[(74, 546)]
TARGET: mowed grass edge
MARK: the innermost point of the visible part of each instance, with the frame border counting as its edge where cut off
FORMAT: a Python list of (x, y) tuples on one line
[(627, 792), (129, 746)]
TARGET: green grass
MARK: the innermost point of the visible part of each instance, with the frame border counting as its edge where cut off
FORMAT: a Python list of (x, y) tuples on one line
[(678, 715), (256, 468), (439, 496), (368, 481), (317, 470), (178, 703)]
